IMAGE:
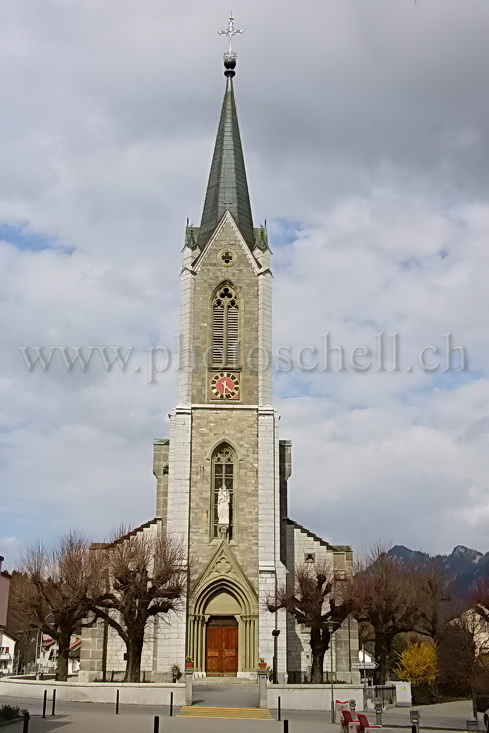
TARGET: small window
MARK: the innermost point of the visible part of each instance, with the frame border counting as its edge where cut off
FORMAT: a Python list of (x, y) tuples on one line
[(309, 557)]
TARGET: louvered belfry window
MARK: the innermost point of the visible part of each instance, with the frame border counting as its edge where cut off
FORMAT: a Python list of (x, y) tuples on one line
[(225, 327)]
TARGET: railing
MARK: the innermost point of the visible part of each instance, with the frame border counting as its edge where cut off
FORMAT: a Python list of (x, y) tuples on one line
[(304, 678), (385, 693)]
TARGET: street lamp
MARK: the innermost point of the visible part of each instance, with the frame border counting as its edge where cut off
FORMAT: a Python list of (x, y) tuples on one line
[(331, 625), (275, 634)]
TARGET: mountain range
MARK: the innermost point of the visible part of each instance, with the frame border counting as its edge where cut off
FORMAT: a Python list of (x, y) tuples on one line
[(464, 567)]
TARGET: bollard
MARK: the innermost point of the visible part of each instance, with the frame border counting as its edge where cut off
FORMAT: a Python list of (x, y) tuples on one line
[(352, 705), (279, 711), (171, 704), (378, 712), (471, 724), (286, 726), (414, 717), (117, 702), (44, 703), (156, 726), (54, 702), (25, 729)]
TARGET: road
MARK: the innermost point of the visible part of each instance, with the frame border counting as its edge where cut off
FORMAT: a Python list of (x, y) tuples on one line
[(101, 718)]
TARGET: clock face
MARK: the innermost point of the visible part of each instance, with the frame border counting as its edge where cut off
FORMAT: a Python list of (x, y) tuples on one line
[(224, 386)]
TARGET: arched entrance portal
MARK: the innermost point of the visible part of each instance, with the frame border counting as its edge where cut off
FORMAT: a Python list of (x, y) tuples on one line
[(223, 625)]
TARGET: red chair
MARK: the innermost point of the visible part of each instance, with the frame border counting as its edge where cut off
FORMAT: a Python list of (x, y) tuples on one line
[(364, 725), (348, 722)]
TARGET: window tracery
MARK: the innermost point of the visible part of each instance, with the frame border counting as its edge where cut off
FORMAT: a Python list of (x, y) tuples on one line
[(225, 327), (223, 478)]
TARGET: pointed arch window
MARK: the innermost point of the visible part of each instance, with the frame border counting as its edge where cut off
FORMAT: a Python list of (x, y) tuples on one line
[(223, 477), (225, 327)]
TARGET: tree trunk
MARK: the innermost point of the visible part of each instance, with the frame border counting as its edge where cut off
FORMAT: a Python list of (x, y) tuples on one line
[(63, 653), (474, 702), (134, 649), (382, 656), (318, 650)]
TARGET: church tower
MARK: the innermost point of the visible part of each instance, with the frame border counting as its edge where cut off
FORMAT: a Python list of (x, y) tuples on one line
[(222, 475), (221, 496)]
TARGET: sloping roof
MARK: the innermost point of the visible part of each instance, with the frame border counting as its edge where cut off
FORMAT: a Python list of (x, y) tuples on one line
[(9, 635), (316, 537), (131, 533)]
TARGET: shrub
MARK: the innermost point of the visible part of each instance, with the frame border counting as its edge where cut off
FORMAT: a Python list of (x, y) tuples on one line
[(417, 663), (10, 712)]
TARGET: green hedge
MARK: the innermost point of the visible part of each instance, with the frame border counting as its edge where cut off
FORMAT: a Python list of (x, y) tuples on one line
[(424, 693), (482, 702)]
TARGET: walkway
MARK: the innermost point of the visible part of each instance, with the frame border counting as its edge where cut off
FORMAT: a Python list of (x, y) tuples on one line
[(230, 692)]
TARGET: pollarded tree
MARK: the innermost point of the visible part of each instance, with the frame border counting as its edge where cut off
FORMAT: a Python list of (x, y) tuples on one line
[(314, 597), (55, 589), (145, 576)]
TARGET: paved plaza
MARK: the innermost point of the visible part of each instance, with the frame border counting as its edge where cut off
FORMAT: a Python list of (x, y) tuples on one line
[(101, 718)]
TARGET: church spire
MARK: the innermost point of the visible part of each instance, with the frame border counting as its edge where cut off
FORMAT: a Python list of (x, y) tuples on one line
[(227, 188)]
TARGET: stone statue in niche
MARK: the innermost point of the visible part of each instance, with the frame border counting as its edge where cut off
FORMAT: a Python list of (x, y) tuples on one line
[(223, 506)]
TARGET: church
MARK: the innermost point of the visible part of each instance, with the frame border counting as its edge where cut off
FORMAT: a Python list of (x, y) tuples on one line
[(222, 474)]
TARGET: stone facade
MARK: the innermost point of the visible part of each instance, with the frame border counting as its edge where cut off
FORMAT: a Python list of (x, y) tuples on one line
[(302, 547), (249, 428)]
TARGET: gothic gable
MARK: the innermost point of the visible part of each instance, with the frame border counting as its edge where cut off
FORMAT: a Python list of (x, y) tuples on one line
[(226, 233), (224, 571)]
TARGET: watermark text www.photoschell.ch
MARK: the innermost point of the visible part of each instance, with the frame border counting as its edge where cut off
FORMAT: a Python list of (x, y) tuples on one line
[(383, 355)]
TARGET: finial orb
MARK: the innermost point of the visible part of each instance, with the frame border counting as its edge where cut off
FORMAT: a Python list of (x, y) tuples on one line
[(229, 60), (230, 63)]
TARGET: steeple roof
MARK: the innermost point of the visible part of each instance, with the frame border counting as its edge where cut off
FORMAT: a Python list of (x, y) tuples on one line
[(227, 188)]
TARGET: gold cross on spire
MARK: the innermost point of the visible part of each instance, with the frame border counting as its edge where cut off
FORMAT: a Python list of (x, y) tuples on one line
[(230, 32)]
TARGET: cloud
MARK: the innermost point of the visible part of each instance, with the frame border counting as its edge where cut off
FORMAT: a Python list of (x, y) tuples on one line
[(365, 129), (10, 549)]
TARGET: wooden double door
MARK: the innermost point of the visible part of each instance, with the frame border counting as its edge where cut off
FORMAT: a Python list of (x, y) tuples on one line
[(221, 646)]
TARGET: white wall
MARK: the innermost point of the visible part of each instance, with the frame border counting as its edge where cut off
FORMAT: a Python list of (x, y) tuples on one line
[(312, 697), (130, 694), (7, 658)]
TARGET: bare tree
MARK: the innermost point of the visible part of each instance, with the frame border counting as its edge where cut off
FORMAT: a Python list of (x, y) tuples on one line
[(145, 576), (54, 595), (385, 594), (313, 597), (21, 624), (481, 599), (463, 652), (434, 595)]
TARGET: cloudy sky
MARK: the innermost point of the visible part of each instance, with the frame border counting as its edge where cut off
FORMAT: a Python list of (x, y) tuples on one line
[(365, 127)]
